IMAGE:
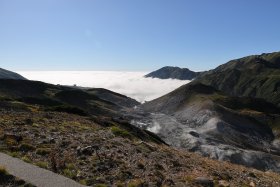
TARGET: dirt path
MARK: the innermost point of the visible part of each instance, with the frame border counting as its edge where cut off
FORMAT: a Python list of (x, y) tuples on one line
[(35, 175)]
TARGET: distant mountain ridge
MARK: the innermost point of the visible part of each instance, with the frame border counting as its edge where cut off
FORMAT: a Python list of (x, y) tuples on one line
[(5, 74), (252, 76), (65, 99), (170, 72)]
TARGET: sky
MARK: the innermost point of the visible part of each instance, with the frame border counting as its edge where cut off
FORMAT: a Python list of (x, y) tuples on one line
[(134, 35)]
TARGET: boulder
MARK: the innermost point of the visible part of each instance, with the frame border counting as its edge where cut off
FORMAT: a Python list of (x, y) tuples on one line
[(203, 181)]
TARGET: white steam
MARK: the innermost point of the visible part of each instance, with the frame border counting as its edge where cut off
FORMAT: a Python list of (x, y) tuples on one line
[(131, 84), (155, 128)]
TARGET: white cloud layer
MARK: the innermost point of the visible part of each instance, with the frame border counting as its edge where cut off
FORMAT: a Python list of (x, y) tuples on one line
[(131, 84)]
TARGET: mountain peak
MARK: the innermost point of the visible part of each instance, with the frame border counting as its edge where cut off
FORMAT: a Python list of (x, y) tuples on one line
[(173, 72)]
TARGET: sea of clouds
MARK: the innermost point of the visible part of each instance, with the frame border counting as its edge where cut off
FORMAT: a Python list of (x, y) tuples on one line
[(131, 84)]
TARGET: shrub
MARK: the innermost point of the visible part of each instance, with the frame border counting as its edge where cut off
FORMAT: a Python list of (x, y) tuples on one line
[(3, 170), (26, 147), (70, 173), (42, 164), (14, 154), (70, 166), (43, 151), (140, 165), (10, 142), (120, 184), (26, 159), (83, 182)]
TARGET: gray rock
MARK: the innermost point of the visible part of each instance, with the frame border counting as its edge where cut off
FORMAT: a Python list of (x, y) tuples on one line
[(203, 181)]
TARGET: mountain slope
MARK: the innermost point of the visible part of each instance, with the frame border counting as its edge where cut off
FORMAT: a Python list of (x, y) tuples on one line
[(102, 150), (169, 72), (114, 97), (253, 76), (112, 153), (5, 74), (202, 119), (61, 98)]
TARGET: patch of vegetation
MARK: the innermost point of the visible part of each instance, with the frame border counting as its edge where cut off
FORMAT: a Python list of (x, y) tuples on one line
[(101, 185), (120, 184), (42, 164), (189, 179), (10, 142), (26, 147), (83, 182), (237, 103), (135, 183), (43, 151), (120, 132), (14, 154), (26, 159), (70, 166), (67, 109), (70, 173), (3, 170), (9, 180)]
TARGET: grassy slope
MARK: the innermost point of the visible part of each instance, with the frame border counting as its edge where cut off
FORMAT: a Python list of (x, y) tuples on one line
[(253, 76), (65, 98)]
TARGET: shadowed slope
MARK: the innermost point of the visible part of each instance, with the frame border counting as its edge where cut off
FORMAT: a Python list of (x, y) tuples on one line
[(62, 98), (5, 74)]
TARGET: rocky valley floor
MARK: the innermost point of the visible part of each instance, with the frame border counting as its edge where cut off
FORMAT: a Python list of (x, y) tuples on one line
[(201, 119)]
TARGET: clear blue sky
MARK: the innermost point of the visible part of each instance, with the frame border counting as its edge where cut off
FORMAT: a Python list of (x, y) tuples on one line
[(134, 34)]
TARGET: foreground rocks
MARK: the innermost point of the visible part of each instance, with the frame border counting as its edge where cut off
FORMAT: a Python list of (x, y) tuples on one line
[(94, 153)]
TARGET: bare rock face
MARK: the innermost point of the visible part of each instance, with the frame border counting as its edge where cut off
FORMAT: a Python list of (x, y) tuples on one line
[(202, 119)]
